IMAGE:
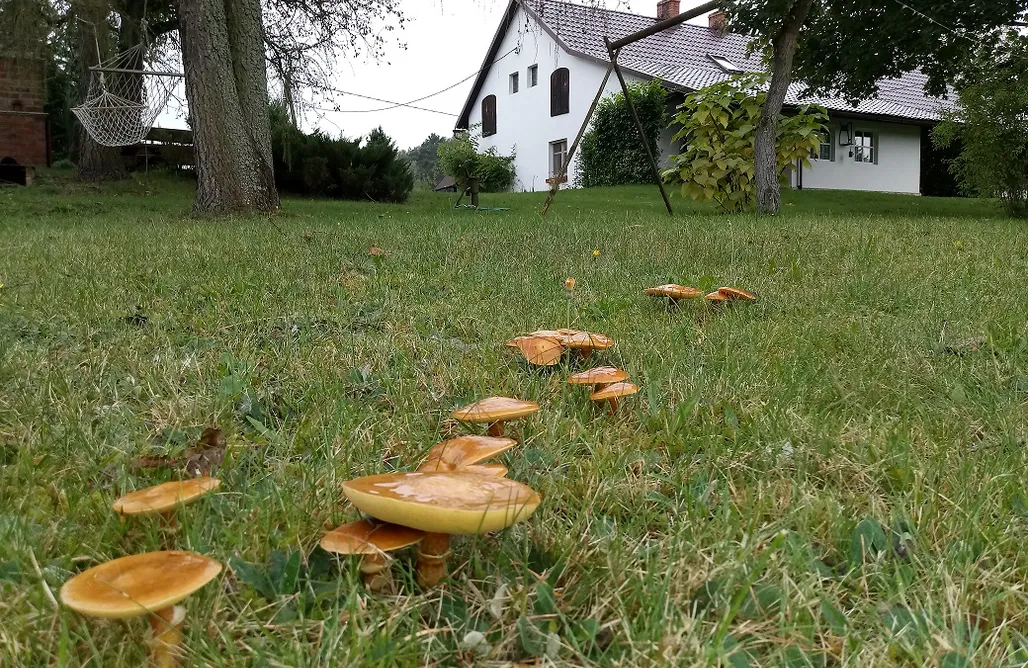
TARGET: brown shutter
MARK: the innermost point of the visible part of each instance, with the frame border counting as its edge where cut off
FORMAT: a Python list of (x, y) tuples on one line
[(489, 116), (560, 92)]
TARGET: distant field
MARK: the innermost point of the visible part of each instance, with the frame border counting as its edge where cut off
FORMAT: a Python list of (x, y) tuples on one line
[(834, 475)]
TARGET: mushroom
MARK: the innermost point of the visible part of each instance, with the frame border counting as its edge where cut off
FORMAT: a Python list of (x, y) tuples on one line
[(716, 297), (737, 294), (674, 292), (442, 504), (613, 392), (371, 540), (459, 453), (495, 411), (584, 342), (488, 469), (599, 378), (165, 498), (149, 584), (539, 349)]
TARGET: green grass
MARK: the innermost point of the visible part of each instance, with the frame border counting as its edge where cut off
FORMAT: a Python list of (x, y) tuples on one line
[(876, 390)]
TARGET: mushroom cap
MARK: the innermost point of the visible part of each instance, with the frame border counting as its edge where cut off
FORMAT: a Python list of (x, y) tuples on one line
[(464, 451), (495, 408), (457, 502), (367, 537), (601, 374), (674, 291), (135, 585), (717, 296), (585, 340), (738, 294), (160, 498), (614, 391), (537, 349), (488, 469)]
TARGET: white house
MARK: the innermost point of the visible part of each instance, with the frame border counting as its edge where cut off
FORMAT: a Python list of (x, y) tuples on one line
[(547, 60)]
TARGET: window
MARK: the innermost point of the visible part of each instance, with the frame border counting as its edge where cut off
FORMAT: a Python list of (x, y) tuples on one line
[(533, 76), (560, 92), (558, 154), (489, 116), (826, 151), (865, 147), (514, 83), (725, 64)]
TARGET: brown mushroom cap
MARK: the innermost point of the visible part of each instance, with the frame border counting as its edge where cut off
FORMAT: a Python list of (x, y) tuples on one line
[(737, 294), (717, 296), (138, 584), (366, 537), (464, 451), (457, 502), (538, 350), (488, 469), (495, 408), (161, 498), (674, 291), (585, 340), (614, 391), (601, 375)]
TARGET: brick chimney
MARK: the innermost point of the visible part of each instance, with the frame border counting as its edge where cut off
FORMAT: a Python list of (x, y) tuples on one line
[(668, 8), (718, 21)]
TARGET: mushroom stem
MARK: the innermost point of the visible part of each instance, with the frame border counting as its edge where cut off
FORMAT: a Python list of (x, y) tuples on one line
[(377, 578), (599, 386), (432, 552), (496, 428), (166, 641), (613, 403), (169, 519), (585, 352)]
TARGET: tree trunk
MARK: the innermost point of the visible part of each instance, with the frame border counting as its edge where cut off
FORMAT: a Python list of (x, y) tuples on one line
[(95, 162), (769, 196), (227, 91)]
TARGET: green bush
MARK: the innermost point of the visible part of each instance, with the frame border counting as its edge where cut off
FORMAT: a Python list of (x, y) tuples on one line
[(317, 165), (461, 160), (991, 128), (611, 151)]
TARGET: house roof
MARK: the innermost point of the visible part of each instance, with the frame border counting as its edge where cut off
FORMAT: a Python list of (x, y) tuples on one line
[(681, 57)]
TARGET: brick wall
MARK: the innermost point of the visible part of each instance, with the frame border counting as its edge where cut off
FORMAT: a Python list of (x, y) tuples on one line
[(22, 94)]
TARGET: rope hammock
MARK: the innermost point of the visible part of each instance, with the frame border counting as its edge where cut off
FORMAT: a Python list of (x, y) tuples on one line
[(124, 101)]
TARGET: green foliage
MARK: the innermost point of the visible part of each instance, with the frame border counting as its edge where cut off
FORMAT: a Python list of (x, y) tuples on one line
[(317, 165), (424, 161), (718, 124), (461, 160), (611, 152), (991, 128)]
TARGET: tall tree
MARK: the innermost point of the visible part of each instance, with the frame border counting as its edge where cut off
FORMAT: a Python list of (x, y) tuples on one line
[(846, 47), (227, 91)]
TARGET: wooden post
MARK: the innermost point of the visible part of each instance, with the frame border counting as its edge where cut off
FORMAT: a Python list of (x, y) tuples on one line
[(474, 193)]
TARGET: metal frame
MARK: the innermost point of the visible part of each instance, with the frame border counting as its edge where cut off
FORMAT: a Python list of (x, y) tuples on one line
[(613, 51)]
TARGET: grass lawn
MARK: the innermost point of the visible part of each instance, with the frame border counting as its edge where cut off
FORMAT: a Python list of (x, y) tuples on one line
[(832, 475)]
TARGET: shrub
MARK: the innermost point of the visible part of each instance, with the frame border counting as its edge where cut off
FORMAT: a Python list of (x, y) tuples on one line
[(718, 124), (991, 128), (461, 161), (611, 151), (317, 165)]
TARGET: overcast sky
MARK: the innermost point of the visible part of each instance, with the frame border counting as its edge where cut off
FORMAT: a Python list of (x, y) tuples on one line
[(446, 41)]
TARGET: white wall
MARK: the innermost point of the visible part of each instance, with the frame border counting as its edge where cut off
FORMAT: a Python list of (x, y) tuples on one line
[(899, 161), (523, 121)]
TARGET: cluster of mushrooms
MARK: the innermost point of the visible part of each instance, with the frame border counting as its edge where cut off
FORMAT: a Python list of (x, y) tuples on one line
[(675, 293)]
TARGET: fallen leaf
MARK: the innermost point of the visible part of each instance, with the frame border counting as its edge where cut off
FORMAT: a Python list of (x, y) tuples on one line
[(208, 453), (153, 462), (375, 251)]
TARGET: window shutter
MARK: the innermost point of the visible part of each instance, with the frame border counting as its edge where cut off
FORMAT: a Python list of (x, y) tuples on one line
[(489, 115), (831, 140), (560, 92), (874, 142)]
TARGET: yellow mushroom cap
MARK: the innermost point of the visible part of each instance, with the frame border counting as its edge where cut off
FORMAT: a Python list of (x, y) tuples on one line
[(160, 498), (716, 296), (737, 294), (138, 584), (614, 391), (599, 375), (460, 452), (495, 408), (366, 537), (674, 291), (538, 350), (488, 469), (457, 502), (585, 340)]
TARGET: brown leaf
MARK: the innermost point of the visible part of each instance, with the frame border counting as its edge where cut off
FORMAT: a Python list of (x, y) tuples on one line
[(153, 462), (376, 251), (208, 453)]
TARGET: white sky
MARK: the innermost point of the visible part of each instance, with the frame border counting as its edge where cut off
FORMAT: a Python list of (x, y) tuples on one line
[(446, 41)]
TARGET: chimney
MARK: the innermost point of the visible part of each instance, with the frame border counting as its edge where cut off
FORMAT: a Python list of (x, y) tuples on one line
[(718, 21), (668, 8)]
